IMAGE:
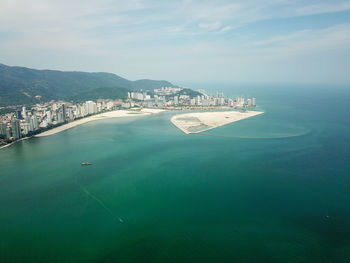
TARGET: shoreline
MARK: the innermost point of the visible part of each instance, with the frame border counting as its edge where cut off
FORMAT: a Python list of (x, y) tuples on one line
[(11, 143), (203, 121), (101, 116)]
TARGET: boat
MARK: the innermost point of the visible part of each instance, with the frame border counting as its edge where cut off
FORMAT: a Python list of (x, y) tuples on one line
[(86, 163)]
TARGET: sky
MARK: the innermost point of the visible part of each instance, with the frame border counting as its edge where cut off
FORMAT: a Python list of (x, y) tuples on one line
[(237, 41)]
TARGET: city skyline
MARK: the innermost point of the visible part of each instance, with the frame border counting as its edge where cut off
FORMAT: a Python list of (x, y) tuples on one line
[(40, 117), (187, 41)]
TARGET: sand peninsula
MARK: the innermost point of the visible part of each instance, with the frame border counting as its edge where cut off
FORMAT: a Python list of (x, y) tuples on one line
[(202, 121), (101, 116)]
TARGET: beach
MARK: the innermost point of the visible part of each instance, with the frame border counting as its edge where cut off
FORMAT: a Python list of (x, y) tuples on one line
[(101, 116), (202, 121), (11, 143)]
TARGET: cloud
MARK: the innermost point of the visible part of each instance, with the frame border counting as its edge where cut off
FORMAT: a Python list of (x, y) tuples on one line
[(147, 38), (321, 8), (210, 26)]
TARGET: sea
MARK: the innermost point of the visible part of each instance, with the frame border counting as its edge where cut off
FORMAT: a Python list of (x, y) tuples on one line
[(271, 188)]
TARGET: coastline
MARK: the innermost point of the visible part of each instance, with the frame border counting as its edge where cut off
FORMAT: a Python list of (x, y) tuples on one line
[(101, 116), (11, 143), (202, 121)]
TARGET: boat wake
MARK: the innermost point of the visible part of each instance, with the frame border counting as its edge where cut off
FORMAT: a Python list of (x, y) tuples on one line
[(100, 202)]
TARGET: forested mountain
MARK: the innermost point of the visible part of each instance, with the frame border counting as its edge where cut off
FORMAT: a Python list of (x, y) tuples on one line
[(20, 85)]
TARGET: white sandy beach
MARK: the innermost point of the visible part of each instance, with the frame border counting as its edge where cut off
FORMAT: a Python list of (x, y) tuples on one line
[(105, 115), (202, 121)]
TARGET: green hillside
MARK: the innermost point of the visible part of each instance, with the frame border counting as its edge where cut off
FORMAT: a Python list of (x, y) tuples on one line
[(20, 85)]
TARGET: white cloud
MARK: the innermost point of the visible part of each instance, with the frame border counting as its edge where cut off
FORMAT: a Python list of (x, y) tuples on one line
[(321, 8), (210, 26), (161, 38)]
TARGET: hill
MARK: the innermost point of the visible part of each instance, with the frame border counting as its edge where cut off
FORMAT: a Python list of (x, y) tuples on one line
[(20, 85), (102, 93)]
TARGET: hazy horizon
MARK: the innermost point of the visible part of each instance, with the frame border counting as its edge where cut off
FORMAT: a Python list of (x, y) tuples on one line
[(185, 41)]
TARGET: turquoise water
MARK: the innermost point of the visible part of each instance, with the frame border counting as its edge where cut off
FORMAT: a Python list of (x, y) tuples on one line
[(271, 188)]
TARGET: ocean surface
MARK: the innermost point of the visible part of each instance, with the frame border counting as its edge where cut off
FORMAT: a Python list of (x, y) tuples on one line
[(271, 188)]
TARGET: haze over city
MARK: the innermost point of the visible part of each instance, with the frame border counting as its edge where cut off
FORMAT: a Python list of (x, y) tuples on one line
[(187, 41)]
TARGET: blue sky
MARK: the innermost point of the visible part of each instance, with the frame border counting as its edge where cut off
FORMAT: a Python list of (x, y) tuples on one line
[(251, 41)]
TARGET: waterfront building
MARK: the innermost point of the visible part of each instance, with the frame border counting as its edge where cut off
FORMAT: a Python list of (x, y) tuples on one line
[(110, 105), (16, 129), (43, 124), (64, 112), (26, 128), (91, 107), (34, 124), (70, 114), (253, 102), (239, 102), (126, 105), (230, 102), (198, 100), (48, 116), (60, 118), (8, 132), (99, 107), (3, 127), (205, 102), (83, 110), (31, 125), (249, 102), (176, 100)]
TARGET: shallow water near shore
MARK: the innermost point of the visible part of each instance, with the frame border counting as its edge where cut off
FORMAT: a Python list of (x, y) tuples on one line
[(271, 188)]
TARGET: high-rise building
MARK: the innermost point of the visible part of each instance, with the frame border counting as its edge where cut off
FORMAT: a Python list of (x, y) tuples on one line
[(64, 112), (3, 127), (19, 114), (24, 113), (8, 132), (110, 105), (176, 100), (16, 129), (91, 107), (230, 102), (70, 114), (60, 118), (26, 128), (249, 102), (48, 116), (34, 124), (99, 107), (253, 102)]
